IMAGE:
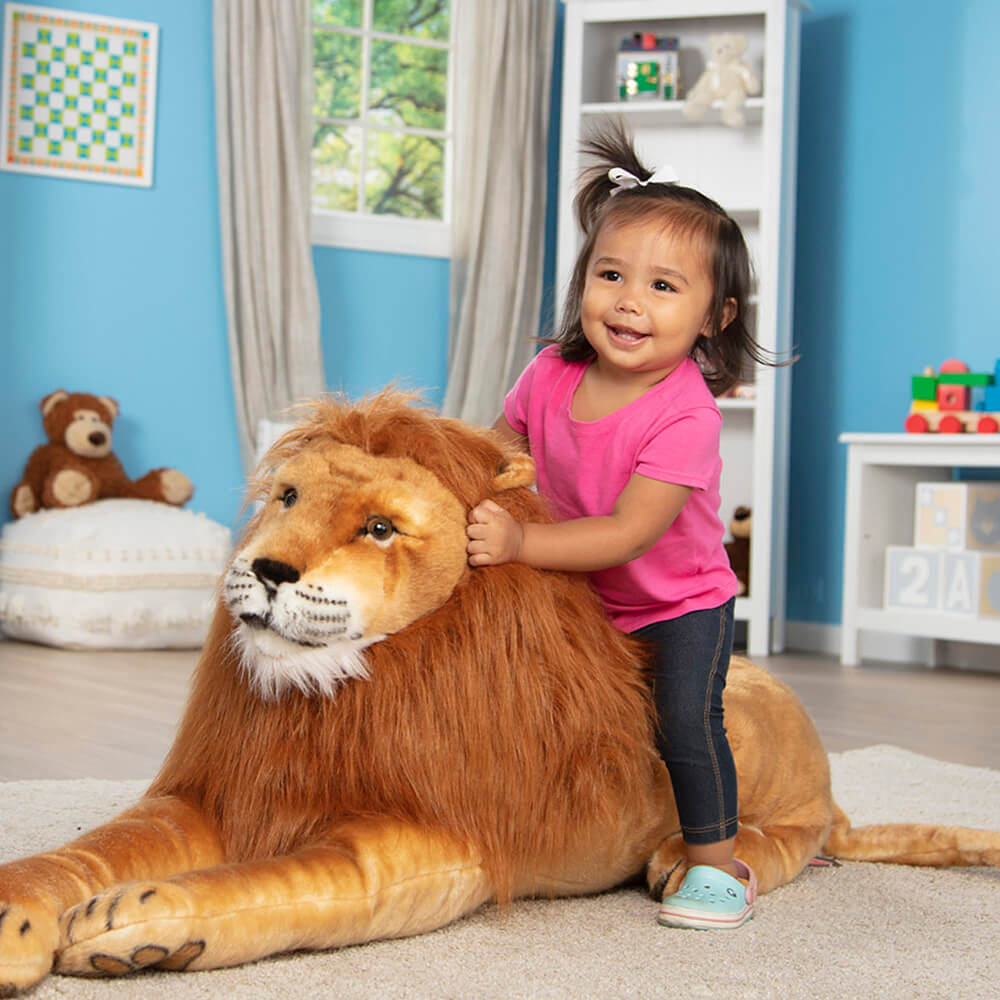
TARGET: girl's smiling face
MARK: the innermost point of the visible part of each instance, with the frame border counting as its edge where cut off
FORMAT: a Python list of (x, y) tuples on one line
[(646, 299)]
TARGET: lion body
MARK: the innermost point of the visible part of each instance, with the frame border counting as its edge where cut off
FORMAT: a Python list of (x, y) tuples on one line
[(379, 739)]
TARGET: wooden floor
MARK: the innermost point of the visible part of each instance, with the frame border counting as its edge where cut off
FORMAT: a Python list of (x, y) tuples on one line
[(68, 714)]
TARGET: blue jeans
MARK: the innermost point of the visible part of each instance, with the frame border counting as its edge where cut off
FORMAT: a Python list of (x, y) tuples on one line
[(689, 660)]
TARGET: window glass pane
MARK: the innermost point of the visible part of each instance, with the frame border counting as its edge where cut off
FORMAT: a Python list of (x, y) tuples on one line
[(336, 159), (337, 75), (422, 18), (342, 13), (404, 175), (408, 85)]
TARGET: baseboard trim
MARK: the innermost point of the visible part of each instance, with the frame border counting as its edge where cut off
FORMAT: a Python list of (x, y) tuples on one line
[(816, 637), (812, 637)]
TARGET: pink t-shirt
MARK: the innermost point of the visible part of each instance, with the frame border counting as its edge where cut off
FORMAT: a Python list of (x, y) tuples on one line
[(670, 434)]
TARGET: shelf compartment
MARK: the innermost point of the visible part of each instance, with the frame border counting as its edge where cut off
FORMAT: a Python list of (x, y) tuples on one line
[(930, 624), (668, 112)]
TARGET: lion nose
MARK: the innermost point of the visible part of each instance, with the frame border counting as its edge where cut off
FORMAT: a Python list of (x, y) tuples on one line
[(273, 571)]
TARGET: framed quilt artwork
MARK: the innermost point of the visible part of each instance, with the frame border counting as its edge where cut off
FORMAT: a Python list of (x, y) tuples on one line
[(79, 95)]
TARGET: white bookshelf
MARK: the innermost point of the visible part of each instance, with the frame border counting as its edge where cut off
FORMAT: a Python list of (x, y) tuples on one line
[(882, 473), (750, 171)]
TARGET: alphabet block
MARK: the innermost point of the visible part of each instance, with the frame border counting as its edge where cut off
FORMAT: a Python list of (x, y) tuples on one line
[(913, 578), (989, 586), (960, 591), (958, 516)]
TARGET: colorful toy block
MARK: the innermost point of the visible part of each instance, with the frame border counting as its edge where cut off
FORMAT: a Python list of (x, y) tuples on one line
[(967, 378), (958, 516), (991, 394), (924, 387), (913, 578), (960, 585), (953, 566), (971, 584), (989, 586), (943, 402), (952, 397)]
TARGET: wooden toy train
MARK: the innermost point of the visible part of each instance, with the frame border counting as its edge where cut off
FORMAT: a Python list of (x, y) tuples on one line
[(943, 403)]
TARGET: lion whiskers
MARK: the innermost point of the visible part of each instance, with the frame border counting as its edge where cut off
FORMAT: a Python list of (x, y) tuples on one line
[(295, 634)]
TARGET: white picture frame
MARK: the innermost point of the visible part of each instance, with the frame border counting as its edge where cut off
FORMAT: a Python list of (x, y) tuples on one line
[(79, 95)]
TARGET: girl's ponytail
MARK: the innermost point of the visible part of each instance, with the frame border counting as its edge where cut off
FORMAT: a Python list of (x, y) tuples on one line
[(609, 146)]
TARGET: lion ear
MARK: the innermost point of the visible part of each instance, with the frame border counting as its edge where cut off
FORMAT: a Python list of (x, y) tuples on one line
[(517, 470)]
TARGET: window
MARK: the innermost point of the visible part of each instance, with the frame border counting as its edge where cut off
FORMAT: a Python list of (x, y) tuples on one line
[(381, 142)]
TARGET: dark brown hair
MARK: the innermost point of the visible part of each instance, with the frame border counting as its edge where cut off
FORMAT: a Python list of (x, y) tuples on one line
[(727, 356)]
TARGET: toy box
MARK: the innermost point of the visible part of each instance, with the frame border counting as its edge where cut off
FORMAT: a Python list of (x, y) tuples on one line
[(958, 516), (647, 68)]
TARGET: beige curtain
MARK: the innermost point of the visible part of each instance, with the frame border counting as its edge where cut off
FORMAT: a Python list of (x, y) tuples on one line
[(503, 57), (263, 60)]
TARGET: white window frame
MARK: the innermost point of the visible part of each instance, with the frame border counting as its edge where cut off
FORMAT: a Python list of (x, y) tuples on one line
[(391, 233)]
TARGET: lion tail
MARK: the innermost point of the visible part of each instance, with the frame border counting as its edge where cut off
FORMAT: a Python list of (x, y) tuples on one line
[(912, 844)]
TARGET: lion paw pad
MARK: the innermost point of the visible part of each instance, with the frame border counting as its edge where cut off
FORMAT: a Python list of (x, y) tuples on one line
[(127, 929)]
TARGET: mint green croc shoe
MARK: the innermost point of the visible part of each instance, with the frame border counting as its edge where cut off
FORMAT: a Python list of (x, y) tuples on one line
[(711, 899)]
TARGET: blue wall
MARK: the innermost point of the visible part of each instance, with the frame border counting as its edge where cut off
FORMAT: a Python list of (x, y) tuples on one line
[(898, 211), (384, 319), (117, 291)]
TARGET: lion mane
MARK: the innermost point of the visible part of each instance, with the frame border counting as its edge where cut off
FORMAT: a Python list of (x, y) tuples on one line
[(380, 739), (501, 717)]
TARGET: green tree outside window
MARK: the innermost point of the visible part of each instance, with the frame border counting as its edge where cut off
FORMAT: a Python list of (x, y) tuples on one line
[(380, 72)]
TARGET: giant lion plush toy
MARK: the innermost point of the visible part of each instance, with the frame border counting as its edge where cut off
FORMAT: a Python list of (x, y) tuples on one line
[(380, 739)]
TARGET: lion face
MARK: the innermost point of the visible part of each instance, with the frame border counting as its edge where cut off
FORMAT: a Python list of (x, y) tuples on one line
[(349, 548)]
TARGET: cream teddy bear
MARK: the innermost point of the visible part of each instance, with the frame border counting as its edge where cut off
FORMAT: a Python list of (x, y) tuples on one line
[(725, 78)]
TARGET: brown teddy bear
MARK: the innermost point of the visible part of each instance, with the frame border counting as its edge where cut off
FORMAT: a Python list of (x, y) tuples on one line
[(77, 464), (738, 549)]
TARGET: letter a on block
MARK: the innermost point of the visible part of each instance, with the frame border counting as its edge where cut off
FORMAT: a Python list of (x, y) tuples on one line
[(958, 596)]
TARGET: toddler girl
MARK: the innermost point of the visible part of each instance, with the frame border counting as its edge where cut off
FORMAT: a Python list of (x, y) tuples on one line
[(621, 421)]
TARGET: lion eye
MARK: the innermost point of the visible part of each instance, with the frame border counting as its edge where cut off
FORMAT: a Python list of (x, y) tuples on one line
[(289, 497), (380, 528)]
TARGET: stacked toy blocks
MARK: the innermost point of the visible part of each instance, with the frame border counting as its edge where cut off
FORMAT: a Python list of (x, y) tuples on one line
[(954, 400), (953, 566)]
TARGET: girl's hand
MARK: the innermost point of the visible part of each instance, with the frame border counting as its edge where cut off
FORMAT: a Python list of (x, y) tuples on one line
[(494, 536)]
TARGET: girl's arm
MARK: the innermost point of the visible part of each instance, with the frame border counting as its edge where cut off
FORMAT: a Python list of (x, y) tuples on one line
[(643, 512), (510, 435)]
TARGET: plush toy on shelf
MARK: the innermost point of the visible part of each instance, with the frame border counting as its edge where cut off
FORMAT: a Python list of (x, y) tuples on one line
[(78, 466), (726, 78), (738, 549)]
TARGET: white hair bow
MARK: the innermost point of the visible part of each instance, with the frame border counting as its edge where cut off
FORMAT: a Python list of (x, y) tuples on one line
[(624, 179)]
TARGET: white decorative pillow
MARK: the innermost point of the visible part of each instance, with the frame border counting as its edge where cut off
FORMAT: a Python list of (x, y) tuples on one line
[(114, 574)]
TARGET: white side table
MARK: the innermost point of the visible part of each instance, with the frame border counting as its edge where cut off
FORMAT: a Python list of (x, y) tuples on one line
[(882, 472)]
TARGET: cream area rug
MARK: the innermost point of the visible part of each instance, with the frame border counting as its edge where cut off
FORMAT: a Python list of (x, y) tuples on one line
[(861, 931)]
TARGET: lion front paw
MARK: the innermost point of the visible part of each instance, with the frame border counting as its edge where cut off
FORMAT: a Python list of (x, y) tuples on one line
[(28, 937), (126, 929)]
